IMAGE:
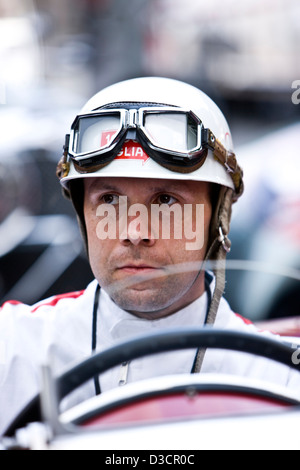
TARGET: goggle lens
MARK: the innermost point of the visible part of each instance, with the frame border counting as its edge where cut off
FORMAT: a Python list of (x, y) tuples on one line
[(175, 132), (93, 134)]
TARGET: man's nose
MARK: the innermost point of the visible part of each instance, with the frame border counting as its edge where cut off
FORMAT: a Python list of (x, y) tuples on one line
[(137, 231)]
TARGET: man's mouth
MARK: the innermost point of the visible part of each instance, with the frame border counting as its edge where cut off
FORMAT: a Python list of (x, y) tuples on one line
[(132, 268)]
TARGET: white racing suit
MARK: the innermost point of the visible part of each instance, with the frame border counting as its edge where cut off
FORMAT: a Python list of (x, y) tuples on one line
[(58, 332)]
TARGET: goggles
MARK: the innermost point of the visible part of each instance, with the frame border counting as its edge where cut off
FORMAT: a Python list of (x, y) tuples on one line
[(171, 136), (175, 138)]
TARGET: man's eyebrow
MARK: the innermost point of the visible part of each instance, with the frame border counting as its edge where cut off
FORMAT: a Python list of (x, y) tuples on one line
[(95, 186)]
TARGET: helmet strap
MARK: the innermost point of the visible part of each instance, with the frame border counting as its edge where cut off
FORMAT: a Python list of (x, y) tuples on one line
[(217, 252)]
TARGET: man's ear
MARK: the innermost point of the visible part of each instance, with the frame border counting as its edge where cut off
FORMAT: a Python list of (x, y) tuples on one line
[(76, 194)]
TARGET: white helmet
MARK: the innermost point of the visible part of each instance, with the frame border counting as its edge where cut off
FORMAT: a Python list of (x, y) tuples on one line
[(169, 93)]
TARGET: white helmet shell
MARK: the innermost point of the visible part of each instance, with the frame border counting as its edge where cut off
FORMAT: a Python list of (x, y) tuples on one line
[(168, 92)]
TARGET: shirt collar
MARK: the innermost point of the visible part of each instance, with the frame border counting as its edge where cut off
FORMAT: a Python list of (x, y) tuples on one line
[(116, 324)]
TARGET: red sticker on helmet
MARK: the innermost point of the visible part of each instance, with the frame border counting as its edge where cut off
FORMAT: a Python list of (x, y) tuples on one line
[(132, 151), (107, 137)]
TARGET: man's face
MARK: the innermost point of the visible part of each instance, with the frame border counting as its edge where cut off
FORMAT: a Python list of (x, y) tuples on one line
[(142, 233)]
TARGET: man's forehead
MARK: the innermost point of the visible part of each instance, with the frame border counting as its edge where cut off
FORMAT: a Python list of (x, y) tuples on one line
[(151, 184)]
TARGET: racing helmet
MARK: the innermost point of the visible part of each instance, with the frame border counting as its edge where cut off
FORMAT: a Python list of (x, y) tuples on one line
[(155, 128), (178, 125)]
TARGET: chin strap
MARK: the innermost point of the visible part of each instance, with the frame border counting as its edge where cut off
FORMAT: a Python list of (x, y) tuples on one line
[(217, 252)]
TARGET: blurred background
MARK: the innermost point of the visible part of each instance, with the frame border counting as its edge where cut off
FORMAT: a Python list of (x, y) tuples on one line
[(246, 55)]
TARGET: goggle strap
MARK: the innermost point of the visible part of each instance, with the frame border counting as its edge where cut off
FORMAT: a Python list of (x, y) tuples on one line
[(228, 160), (63, 167)]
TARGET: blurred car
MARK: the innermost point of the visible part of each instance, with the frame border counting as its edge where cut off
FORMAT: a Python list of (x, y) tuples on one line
[(265, 231), (40, 244)]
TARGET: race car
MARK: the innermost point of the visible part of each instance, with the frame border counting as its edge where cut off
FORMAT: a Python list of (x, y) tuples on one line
[(186, 412)]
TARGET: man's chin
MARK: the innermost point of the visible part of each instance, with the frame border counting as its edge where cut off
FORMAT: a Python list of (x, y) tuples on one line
[(142, 303), (155, 298)]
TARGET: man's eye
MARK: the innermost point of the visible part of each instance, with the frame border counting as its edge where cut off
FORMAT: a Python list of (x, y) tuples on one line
[(166, 199), (110, 199)]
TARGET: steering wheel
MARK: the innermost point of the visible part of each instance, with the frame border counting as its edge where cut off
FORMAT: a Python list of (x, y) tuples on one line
[(171, 340)]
